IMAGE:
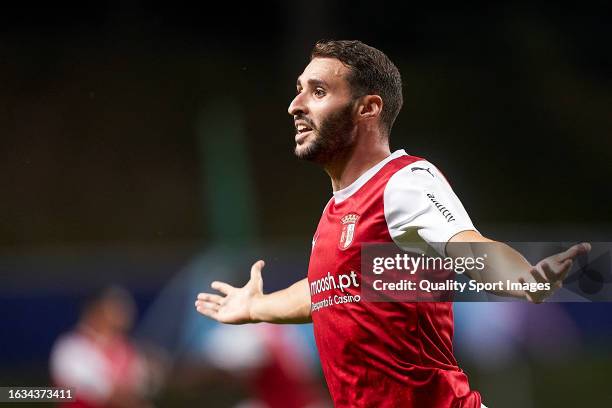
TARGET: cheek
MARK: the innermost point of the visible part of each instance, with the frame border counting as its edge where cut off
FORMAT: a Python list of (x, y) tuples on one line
[(332, 110), (320, 116)]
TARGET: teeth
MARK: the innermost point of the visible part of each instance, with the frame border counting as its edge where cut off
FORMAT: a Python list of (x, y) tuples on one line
[(302, 128)]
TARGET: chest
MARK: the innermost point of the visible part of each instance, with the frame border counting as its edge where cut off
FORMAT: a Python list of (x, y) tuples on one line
[(342, 230)]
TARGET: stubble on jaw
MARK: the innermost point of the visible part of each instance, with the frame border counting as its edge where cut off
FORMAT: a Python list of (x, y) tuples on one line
[(333, 139)]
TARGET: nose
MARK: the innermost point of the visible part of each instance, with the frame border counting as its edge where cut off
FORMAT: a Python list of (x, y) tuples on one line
[(297, 105)]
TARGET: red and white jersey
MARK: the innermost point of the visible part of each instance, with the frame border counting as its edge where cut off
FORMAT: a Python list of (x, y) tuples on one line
[(386, 354), (96, 368)]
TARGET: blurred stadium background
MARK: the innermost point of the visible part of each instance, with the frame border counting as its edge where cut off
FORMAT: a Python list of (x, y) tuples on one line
[(148, 146)]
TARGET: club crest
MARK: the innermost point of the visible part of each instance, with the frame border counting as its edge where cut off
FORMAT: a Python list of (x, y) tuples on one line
[(349, 222)]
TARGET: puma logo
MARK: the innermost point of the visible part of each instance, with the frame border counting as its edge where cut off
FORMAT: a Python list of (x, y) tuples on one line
[(424, 169)]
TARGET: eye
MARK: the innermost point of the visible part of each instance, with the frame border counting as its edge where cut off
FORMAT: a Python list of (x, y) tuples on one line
[(319, 92)]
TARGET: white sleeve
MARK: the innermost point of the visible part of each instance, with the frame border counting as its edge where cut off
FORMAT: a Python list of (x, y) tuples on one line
[(75, 363), (421, 205)]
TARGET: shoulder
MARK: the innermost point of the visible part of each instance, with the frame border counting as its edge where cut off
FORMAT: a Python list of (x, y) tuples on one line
[(71, 341), (72, 347), (414, 172)]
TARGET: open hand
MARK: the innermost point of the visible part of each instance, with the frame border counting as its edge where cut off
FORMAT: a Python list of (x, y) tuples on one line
[(554, 270), (234, 305)]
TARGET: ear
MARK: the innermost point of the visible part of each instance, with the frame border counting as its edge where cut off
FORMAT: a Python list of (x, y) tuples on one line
[(370, 107)]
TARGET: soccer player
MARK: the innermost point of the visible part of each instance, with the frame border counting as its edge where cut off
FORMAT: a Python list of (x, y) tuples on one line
[(374, 354), (99, 360)]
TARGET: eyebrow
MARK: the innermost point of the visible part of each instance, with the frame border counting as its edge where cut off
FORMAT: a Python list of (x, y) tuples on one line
[(313, 82)]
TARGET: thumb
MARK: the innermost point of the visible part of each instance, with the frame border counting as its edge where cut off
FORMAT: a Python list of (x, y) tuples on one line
[(565, 268), (256, 273)]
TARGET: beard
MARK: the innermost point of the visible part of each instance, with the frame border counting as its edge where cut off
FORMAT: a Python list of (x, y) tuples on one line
[(332, 140)]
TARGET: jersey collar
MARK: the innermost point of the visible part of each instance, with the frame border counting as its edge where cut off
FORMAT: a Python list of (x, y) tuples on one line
[(351, 189)]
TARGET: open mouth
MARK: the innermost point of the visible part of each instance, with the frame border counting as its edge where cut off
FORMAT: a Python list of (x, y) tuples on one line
[(302, 128), (300, 137)]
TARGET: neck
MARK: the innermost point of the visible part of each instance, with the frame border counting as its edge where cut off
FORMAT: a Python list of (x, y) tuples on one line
[(345, 170)]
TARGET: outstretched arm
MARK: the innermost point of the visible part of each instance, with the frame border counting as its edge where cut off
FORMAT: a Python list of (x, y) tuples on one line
[(504, 263), (248, 304)]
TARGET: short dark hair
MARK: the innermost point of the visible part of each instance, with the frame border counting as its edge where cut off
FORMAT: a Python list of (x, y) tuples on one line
[(372, 73)]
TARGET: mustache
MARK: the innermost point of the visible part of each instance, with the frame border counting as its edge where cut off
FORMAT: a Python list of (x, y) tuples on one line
[(305, 119)]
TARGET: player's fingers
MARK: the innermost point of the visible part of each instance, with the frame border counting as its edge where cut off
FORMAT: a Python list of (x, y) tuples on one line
[(200, 304), (256, 281), (538, 273), (566, 266), (256, 270), (557, 272), (550, 274), (207, 312), (529, 277), (574, 251), (551, 269), (553, 274), (527, 293), (222, 287), (209, 297)]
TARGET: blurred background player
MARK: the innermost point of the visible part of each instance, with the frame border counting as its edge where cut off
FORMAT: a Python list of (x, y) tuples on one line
[(98, 359)]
